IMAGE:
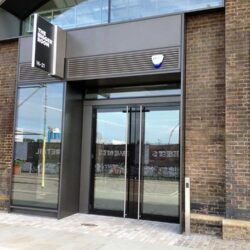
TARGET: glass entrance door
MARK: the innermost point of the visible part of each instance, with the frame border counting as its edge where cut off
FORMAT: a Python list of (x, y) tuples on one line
[(135, 166), (109, 160), (160, 165)]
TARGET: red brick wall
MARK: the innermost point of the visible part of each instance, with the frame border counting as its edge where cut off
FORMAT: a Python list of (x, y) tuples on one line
[(8, 62), (205, 111), (237, 37)]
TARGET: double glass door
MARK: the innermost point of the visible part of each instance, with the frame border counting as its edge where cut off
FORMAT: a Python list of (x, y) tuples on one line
[(135, 162)]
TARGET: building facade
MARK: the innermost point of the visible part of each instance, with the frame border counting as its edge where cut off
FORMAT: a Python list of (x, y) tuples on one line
[(119, 135)]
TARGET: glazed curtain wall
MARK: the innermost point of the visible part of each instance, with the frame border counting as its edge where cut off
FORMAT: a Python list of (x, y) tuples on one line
[(37, 152), (82, 13)]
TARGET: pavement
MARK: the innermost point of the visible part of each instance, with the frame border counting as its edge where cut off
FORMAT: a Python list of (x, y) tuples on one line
[(94, 232)]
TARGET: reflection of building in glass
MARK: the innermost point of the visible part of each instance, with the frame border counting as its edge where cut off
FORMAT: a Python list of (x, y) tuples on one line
[(54, 135), (128, 128), (38, 148), (19, 135)]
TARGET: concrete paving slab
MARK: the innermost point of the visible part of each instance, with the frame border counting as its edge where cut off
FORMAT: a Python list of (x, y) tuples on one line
[(92, 232), (30, 238)]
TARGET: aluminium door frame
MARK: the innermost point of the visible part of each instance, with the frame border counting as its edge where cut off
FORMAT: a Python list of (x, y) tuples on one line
[(134, 101), (87, 140)]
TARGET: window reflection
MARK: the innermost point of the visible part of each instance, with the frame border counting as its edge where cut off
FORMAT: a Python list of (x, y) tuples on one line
[(71, 14), (109, 159), (161, 162), (82, 13), (37, 146), (132, 9)]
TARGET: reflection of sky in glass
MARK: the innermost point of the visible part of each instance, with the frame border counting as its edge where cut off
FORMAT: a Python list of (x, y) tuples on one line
[(162, 127), (96, 11), (81, 13), (124, 9), (111, 127), (30, 115)]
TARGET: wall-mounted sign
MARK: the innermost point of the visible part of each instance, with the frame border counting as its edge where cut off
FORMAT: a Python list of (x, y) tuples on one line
[(157, 60), (49, 47)]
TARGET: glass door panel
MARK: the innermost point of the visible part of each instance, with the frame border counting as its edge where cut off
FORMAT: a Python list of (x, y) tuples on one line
[(160, 174), (110, 159), (136, 162)]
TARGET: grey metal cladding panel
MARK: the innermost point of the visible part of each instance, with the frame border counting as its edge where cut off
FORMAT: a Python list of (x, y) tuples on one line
[(25, 49), (123, 37), (29, 74), (71, 158), (116, 38), (123, 64), (9, 25)]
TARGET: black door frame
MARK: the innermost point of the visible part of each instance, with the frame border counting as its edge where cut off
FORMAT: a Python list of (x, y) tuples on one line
[(155, 101)]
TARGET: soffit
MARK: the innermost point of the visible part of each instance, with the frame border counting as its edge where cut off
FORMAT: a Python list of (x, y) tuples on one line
[(22, 9)]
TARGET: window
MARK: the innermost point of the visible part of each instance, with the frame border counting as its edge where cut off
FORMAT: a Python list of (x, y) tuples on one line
[(132, 9), (82, 13), (38, 146), (71, 14)]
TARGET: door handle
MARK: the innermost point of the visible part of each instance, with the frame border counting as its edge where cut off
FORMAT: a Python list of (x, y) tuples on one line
[(139, 167), (126, 164)]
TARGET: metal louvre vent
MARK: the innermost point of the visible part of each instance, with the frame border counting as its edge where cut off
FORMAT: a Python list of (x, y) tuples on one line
[(29, 74), (123, 64)]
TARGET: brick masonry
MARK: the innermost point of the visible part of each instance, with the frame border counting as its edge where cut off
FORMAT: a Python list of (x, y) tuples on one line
[(237, 40), (86, 230), (217, 136), (236, 230), (205, 111), (218, 119), (206, 224), (8, 62)]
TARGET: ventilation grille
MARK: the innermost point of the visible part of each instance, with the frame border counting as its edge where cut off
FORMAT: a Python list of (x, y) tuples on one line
[(123, 64), (29, 74), (106, 66)]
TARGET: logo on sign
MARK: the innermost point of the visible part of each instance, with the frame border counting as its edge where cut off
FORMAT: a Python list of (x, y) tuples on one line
[(157, 60), (43, 39), (49, 47)]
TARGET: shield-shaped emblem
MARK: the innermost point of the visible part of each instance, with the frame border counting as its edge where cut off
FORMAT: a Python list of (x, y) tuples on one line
[(157, 60)]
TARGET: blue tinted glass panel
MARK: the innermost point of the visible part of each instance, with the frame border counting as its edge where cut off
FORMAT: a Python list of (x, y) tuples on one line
[(83, 13), (71, 14), (132, 9)]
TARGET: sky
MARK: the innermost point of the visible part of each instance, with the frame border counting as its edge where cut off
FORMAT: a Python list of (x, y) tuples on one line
[(161, 127), (31, 113)]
